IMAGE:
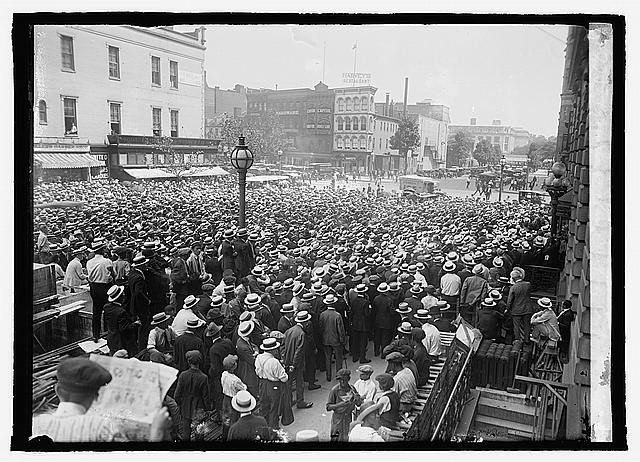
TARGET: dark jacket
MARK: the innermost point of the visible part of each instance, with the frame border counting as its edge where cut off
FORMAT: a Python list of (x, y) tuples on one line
[(284, 324), (423, 363), (213, 267), (192, 392), (228, 259), (332, 328), (186, 342), (246, 363), (294, 340), (518, 302), (360, 314), (203, 306), (219, 350), (489, 323), (121, 330), (178, 276), (247, 428), (242, 257), (383, 312), (139, 302)]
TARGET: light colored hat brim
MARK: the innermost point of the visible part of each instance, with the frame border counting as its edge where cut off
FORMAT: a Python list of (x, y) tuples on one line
[(251, 407)]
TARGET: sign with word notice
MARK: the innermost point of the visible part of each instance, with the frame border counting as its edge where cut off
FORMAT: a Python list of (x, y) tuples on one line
[(356, 78)]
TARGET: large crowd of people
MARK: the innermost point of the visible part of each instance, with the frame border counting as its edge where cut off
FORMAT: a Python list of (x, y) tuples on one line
[(251, 315)]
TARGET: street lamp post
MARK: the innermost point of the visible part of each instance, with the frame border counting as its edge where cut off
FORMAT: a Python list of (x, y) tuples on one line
[(280, 161), (242, 160), (503, 161)]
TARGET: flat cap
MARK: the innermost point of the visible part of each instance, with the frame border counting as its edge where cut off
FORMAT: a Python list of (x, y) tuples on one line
[(394, 356), (82, 375)]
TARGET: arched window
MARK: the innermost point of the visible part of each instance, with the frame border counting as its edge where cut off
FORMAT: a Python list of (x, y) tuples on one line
[(356, 104), (340, 105), (347, 142), (339, 142), (340, 124), (363, 123), (42, 110), (365, 106), (349, 104), (363, 142), (347, 123), (355, 123), (354, 142)]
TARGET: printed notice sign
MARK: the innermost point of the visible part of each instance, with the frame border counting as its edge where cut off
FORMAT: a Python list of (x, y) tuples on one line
[(134, 394)]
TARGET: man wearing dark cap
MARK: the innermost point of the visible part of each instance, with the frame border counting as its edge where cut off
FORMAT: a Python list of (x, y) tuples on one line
[(220, 349), (242, 252), (179, 276), (192, 391), (204, 300), (188, 341), (195, 268), (78, 383)]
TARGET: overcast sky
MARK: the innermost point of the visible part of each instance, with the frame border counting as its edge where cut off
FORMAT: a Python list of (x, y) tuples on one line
[(511, 73)]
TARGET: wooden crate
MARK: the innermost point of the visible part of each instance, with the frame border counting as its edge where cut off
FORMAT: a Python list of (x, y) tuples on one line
[(44, 287)]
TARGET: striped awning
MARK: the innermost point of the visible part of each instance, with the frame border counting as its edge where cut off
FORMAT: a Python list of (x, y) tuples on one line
[(148, 173), (66, 160)]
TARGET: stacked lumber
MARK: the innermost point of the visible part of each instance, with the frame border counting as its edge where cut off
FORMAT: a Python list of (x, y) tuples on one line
[(397, 434), (44, 377)]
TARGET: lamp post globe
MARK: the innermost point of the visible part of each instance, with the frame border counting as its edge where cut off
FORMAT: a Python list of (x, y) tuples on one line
[(242, 159)]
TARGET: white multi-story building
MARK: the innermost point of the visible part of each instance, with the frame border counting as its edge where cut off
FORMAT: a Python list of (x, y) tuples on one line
[(354, 113), (111, 89), (384, 158)]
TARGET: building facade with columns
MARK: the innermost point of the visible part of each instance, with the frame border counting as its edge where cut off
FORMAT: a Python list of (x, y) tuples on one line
[(148, 84), (354, 111)]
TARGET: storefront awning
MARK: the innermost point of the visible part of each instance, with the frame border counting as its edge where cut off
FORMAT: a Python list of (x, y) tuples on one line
[(265, 178), (66, 160), (204, 171), (148, 173)]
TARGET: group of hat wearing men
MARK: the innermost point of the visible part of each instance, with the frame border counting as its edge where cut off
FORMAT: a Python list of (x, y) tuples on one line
[(317, 276)]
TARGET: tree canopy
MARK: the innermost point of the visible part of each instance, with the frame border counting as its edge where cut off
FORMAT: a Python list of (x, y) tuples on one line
[(486, 153), (406, 137), (459, 149), (263, 134)]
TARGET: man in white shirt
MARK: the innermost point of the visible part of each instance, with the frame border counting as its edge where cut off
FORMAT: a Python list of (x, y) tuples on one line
[(74, 276), (429, 300), (179, 325), (450, 284), (431, 340), (365, 387), (101, 276), (272, 378)]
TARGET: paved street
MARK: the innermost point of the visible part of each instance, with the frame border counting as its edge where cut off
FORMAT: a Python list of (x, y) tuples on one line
[(455, 187), (317, 418)]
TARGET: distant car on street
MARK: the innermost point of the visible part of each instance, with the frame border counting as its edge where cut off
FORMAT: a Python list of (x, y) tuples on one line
[(419, 184)]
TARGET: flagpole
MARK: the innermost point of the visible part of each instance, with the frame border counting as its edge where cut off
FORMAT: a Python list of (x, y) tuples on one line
[(324, 60), (355, 56)]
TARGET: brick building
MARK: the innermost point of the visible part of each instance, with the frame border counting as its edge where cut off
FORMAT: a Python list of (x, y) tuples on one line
[(149, 83), (306, 117)]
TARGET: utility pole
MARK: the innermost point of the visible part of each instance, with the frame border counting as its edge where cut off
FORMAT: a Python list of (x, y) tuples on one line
[(406, 90), (324, 60)]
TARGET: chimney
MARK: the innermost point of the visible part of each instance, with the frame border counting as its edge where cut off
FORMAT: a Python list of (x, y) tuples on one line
[(496, 122), (406, 90), (473, 120), (386, 105)]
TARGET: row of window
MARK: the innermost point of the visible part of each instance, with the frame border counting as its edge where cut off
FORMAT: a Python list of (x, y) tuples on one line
[(70, 115), (352, 142), (385, 126), (68, 63), (352, 123), (496, 141), (386, 143), (354, 104), (159, 159), (292, 106)]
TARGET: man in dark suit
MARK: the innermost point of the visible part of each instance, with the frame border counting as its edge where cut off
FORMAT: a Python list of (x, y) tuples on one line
[(140, 302), (204, 301), (248, 427), (247, 352), (121, 331), (220, 349), (212, 265), (187, 342), (294, 355), (360, 314), (179, 276), (383, 319), (286, 320), (519, 305), (226, 252), (242, 252), (333, 334)]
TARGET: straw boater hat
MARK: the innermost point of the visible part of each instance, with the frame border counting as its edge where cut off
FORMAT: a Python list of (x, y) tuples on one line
[(489, 302), (297, 289), (217, 301), (257, 271), (495, 294), (545, 303), (139, 261), (190, 302), (497, 262), (405, 328), (194, 323), (330, 300), (383, 288), (361, 288), (287, 308), (302, 316), (449, 266), (252, 300), (245, 328), (160, 318), (477, 269), (269, 344), (416, 289), (243, 402), (115, 292), (403, 308), (422, 315)]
